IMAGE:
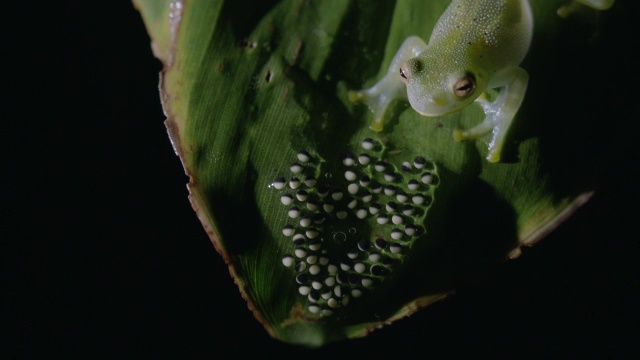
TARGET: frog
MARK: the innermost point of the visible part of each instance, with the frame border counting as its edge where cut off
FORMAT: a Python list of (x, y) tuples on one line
[(475, 47)]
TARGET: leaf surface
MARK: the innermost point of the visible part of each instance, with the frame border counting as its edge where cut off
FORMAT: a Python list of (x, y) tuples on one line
[(245, 92)]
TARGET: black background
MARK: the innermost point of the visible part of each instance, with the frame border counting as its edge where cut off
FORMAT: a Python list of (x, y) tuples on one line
[(101, 253)]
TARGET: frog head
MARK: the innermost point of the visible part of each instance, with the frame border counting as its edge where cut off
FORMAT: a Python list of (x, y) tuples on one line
[(434, 92)]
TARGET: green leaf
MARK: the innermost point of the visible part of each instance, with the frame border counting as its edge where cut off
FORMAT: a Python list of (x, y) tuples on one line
[(245, 92)]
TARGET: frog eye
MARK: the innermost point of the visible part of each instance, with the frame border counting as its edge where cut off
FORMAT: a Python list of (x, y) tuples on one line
[(404, 73), (465, 86)]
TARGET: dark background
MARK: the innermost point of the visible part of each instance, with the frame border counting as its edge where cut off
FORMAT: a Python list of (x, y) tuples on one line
[(101, 253)]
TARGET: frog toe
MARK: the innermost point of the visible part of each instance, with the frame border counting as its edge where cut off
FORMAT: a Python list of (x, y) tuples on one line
[(356, 96), (459, 135), (493, 157), (378, 124)]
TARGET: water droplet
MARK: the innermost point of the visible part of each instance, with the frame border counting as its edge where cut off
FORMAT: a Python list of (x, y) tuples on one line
[(328, 175), (353, 231), (339, 236)]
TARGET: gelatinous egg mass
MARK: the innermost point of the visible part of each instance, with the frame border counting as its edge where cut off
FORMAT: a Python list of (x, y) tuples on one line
[(332, 260)]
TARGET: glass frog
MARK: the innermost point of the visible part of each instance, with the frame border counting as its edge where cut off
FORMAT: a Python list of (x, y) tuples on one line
[(475, 46)]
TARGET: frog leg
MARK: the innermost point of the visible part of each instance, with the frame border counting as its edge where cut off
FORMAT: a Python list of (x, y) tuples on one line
[(500, 112), (390, 87), (566, 10)]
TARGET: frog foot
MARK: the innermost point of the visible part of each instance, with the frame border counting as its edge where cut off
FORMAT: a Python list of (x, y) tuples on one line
[(377, 103), (495, 143), (566, 10)]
